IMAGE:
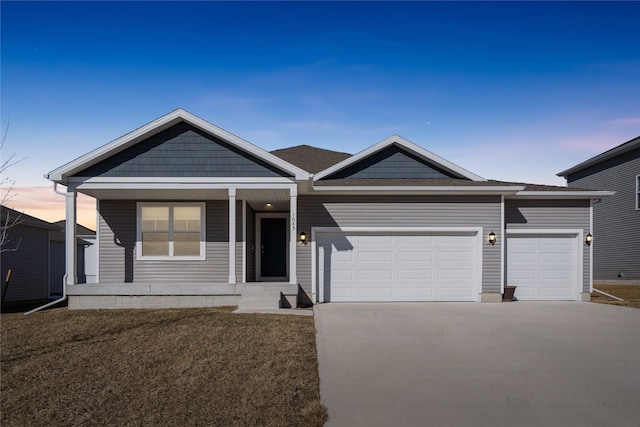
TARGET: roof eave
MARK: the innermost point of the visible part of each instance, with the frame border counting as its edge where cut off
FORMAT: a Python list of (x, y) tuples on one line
[(623, 148)]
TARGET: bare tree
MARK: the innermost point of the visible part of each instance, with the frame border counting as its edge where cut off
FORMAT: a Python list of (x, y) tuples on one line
[(6, 184)]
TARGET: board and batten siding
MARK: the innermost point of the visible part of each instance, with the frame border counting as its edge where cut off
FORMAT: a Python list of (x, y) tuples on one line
[(118, 263), (616, 219), (402, 211), (552, 214)]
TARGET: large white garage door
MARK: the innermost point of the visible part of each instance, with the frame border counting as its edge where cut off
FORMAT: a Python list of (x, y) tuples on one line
[(398, 267), (543, 267)]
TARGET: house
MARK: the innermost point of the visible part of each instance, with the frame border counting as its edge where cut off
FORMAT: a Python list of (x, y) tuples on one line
[(616, 219), (34, 251), (192, 215)]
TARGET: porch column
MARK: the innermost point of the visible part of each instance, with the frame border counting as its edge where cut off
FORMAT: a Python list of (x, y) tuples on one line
[(232, 236), (71, 247), (293, 233)]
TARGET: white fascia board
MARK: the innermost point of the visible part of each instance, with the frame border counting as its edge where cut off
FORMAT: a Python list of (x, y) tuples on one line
[(182, 180), (471, 190), (158, 125), (410, 146), (563, 194)]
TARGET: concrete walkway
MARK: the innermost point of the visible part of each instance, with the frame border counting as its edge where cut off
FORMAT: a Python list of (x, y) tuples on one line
[(469, 364)]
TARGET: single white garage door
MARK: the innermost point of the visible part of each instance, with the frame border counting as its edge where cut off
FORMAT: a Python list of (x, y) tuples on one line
[(398, 267), (543, 267)]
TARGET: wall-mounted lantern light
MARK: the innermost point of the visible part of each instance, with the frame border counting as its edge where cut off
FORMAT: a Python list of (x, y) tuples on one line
[(303, 237), (492, 238), (588, 239)]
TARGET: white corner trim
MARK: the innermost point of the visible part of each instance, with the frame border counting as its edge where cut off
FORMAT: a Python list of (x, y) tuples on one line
[(409, 146)]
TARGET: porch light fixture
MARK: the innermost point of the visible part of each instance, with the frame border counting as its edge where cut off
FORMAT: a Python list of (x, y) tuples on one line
[(492, 238), (588, 239), (303, 237), (268, 205)]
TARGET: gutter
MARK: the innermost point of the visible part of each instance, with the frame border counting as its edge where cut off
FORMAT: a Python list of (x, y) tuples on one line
[(64, 278)]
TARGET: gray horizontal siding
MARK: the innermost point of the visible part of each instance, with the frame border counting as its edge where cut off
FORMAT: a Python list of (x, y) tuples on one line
[(616, 221), (29, 263), (402, 211), (392, 162), (551, 214), (182, 151), (118, 263)]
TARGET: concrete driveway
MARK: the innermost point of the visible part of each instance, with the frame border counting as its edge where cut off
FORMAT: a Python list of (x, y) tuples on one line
[(470, 364)]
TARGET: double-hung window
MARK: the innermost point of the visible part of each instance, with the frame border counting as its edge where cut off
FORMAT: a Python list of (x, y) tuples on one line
[(171, 231)]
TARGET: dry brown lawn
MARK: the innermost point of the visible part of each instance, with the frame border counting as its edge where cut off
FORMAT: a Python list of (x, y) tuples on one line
[(205, 367), (629, 293)]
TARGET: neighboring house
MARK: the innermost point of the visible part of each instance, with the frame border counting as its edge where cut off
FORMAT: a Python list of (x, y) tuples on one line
[(191, 215), (35, 253), (616, 219)]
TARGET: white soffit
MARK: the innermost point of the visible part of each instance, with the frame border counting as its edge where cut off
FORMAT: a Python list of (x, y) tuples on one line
[(179, 115), (409, 146)]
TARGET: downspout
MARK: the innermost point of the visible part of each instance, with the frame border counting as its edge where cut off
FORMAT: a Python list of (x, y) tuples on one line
[(64, 278)]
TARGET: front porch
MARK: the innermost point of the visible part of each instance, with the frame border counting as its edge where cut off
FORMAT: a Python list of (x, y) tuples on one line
[(247, 296)]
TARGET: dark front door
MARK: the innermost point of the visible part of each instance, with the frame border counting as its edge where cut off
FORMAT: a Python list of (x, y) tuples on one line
[(273, 239)]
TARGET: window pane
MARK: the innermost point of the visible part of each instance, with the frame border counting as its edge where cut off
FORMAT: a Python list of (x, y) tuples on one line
[(186, 244), (155, 244), (186, 218), (155, 218)]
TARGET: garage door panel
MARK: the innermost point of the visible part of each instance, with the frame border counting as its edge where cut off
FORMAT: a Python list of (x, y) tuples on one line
[(458, 293), (414, 274), (455, 256), (417, 255), (553, 292), (375, 275), (415, 291), (375, 257), (417, 240), (404, 267)]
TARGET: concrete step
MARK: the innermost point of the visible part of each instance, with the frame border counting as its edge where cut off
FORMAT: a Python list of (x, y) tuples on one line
[(259, 298)]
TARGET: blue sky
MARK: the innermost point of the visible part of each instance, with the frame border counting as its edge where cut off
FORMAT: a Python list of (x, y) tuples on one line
[(515, 91)]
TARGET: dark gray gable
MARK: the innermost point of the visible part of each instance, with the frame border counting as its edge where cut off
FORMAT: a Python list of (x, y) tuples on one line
[(182, 151), (392, 162)]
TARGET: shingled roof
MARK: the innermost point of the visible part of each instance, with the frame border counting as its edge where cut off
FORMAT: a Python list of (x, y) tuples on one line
[(311, 159)]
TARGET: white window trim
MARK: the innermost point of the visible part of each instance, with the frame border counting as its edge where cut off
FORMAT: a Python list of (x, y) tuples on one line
[(171, 205)]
